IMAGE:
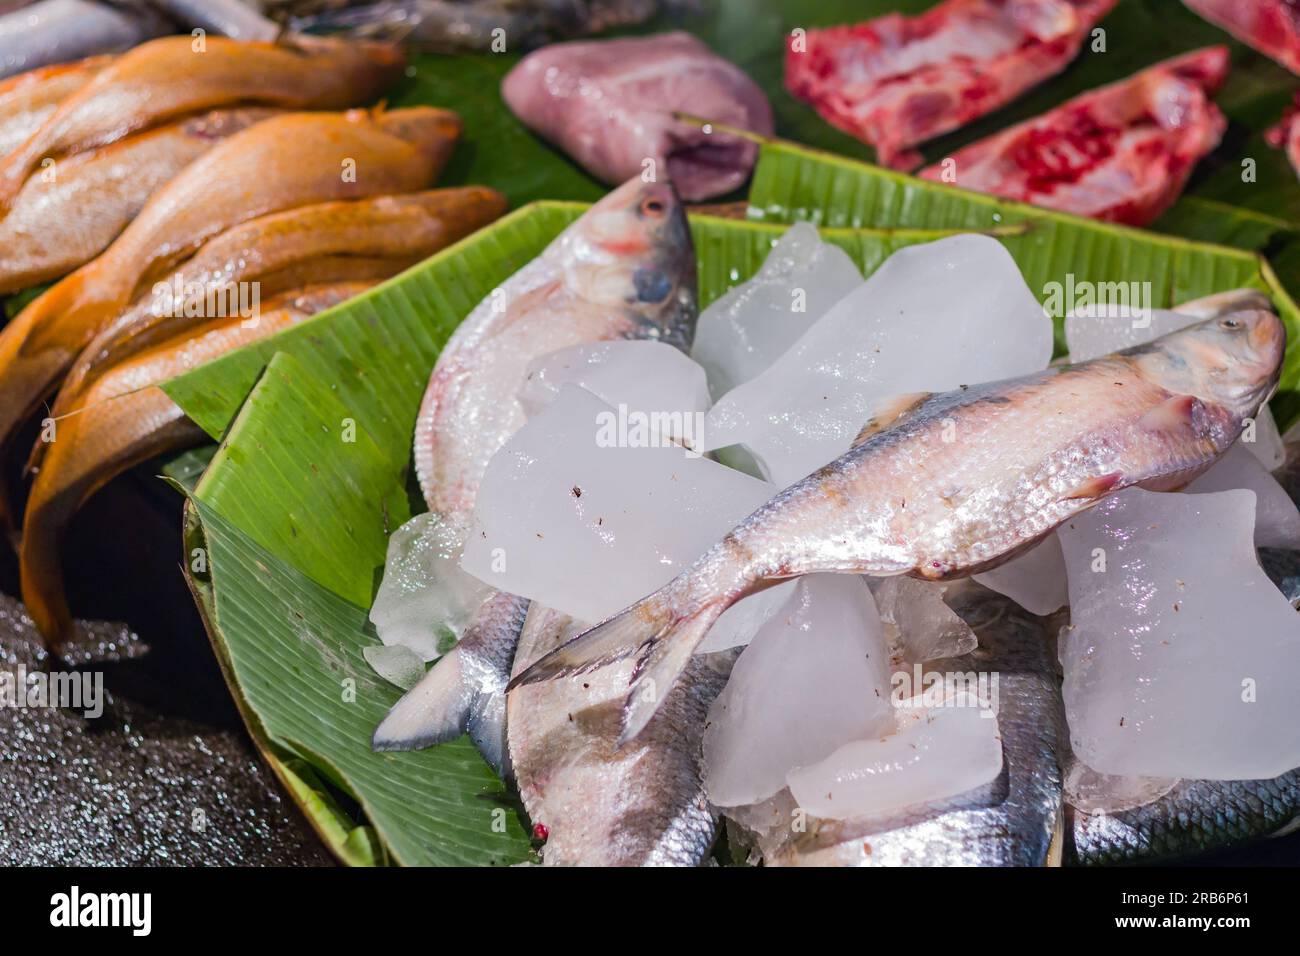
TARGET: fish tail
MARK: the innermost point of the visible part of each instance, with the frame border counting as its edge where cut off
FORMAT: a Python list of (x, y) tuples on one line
[(464, 692), (654, 631), (434, 711)]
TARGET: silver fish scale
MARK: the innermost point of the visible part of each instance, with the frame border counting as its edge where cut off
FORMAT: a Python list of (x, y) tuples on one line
[(1009, 822), (1197, 815)]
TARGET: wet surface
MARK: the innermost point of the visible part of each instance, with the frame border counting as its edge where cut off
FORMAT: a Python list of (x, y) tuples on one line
[(167, 775)]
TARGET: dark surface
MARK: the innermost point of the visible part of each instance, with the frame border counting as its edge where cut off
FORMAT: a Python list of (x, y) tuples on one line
[(168, 775)]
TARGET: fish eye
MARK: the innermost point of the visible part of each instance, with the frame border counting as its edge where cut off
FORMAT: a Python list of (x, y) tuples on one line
[(1229, 323), (653, 207)]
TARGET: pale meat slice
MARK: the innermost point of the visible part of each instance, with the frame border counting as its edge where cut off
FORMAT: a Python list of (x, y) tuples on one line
[(1286, 134), (1121, 153), (1270, 26), (897, 81)]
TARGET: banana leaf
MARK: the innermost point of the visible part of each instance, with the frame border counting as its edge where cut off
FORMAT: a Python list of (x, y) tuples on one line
[(292, 515), (794, 183)]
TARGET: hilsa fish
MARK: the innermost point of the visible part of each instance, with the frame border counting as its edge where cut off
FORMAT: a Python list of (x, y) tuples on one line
[(1013, 820), (597, 803), (624, 270), (958, 483)]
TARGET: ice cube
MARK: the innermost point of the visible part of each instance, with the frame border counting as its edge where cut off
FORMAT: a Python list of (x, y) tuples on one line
[(1035, 580), (740, 622), (1182, 658), (1099, 330), (937, 751), (931, 318), (648, 378), (918, 622), (425, 600), (746, 330), (1264, 441), (398, 664), (586, 519), (1277, 521), (1092, 792), (815, 677)]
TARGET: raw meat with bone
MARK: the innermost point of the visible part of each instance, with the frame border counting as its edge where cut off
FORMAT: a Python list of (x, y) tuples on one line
[(1120, 153), (897, 81), (1270, 26)]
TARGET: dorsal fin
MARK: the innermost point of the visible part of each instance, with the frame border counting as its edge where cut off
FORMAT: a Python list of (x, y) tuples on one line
[(888, 412)]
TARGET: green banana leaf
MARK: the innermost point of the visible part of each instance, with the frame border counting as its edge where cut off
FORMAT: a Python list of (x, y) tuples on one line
[(292, 515), (793, 183)]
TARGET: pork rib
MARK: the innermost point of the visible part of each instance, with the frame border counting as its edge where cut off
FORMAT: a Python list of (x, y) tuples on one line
[(897, 81), (1120, 153), (1270, 26)]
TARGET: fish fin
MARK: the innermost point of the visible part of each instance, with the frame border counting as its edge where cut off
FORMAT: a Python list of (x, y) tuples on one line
[(1095, 487), (614, 639), (1174, 414), (889, 412), (660, 662), (434, 711)]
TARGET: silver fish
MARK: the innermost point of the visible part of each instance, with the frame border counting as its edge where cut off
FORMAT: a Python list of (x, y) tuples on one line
[(626, 269), (597, 804), (58, 31), (228, 18), (1028, 454), (1014, 820)]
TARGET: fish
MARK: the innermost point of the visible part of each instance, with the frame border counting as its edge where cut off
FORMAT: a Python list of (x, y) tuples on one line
[(1270, 26), (898, 81), (1025, 455), (625, 269), (598, 804), (173, 76), (1014, 820), (123, 420), (1193, 816), (1120, 153), (609, 105), (57, 31), (56, 226), (281, 163), (309, 245), (228, 18), (454, 27), (29, 99)]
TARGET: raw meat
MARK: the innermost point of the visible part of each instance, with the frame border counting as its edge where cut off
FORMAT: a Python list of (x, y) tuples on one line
[(1271, 26), (898, 81), (1121, 153)]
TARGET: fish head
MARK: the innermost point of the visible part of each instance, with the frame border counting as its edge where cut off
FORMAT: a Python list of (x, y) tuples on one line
[(633, 251), (1233, 360)]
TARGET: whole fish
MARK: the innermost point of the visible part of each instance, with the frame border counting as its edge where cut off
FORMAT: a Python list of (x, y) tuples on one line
[(310, 245), (123, 420), (173, 76), (451, 26), (56, 31), (229, 18), (960, 483), (599, 804), (1014, 820), (57, 225), (609, 104), (29, 99), (281, 163), (626, 269)]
